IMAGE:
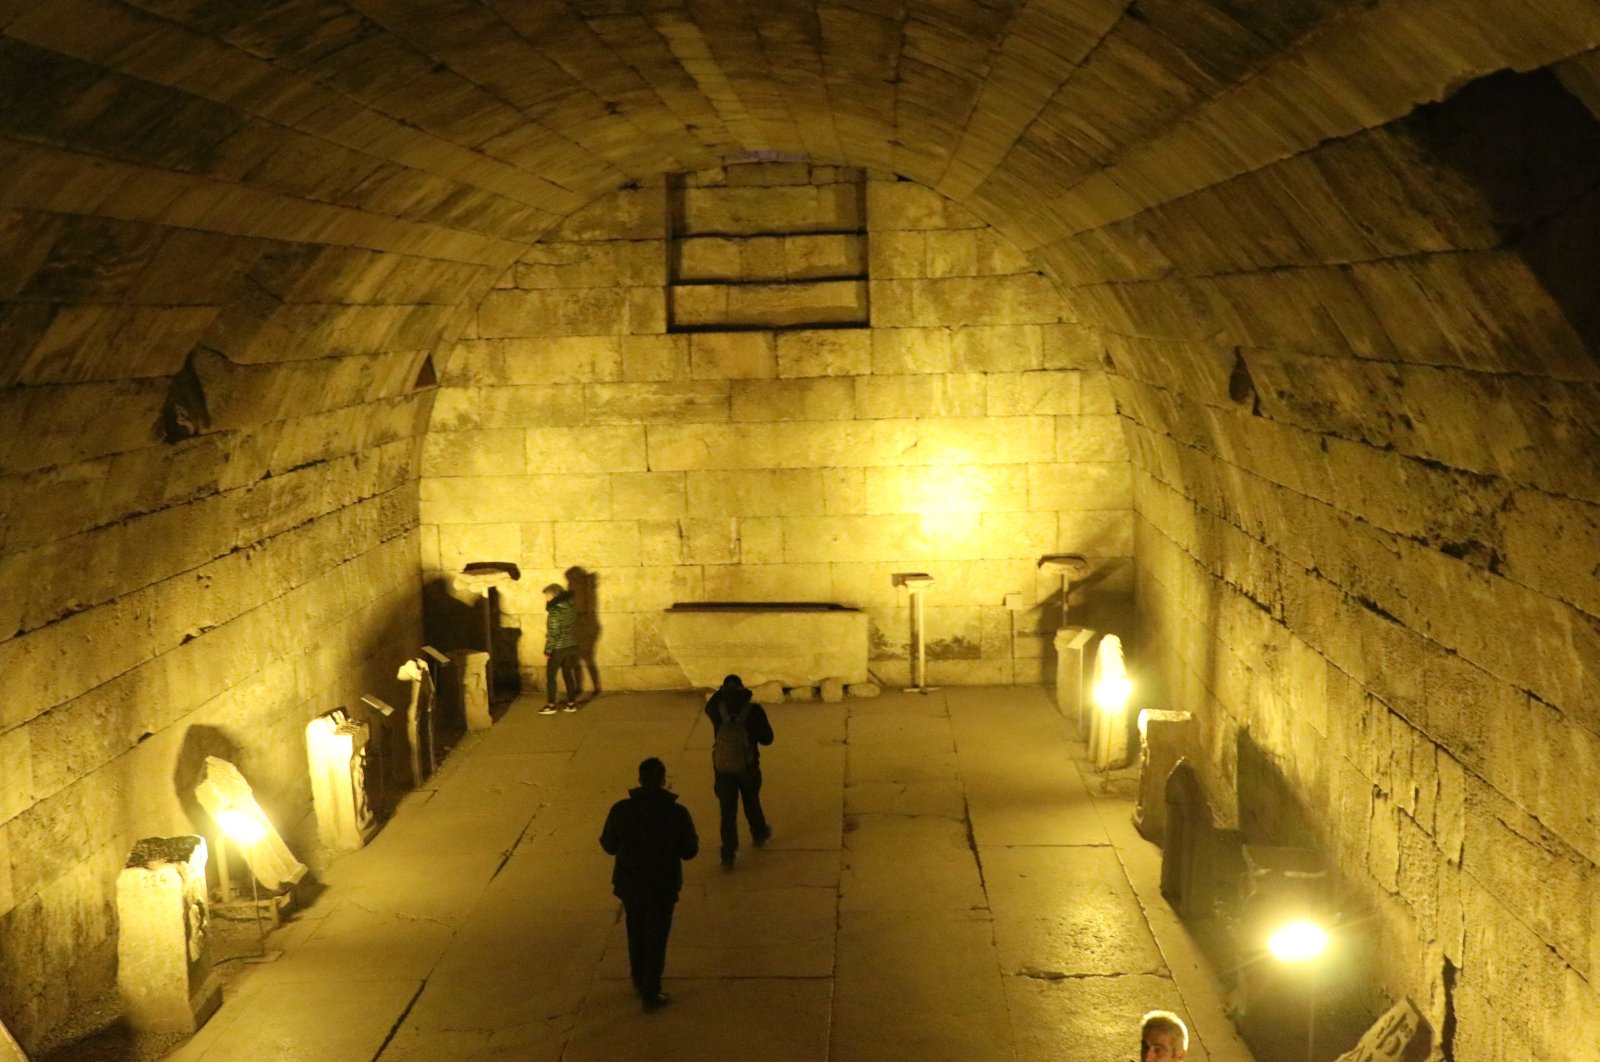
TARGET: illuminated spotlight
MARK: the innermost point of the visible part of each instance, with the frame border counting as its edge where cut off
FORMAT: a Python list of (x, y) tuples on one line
[(1111, 693), (242, 828), (1298, 941)]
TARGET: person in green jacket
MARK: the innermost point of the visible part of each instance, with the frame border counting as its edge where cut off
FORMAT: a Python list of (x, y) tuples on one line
[(560, 647)]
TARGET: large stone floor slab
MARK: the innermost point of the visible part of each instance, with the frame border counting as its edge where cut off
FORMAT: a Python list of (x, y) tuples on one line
[(944, 881)]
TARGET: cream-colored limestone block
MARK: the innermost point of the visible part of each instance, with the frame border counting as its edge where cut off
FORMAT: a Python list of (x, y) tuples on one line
[(791, 646), (503, 499), (922, 395), (897, 255), (614, 639), (1098, 532), (947, 489), (964, 441), (732, 356), (820, 539), (646, 677), (563, 359), (685, 402), (972, 672), (699, 305), (753, 211), (538, 543), (708, 258), (655, 357), (957, 536), (895, 305), (461, 409), (661, 542), (844, 490), (647, 311), (595, 264), (904, 205), (998, 637), (998, 349), (909, 350), (644, 588), (1096, 398), (761, 540), (830, 255), (768, 582), (825, 352), (761, 259), (16, 767), (791, 304), (630, 214), (598, 448), (1084, 485), (596, 543), (648, 495), (462, 544), (568, 312), (822, 398), (952, 253), (796, 444), (164, 972), (336, 751), (1091, 438), (1019, 394), (997, 255), (649, 641), (502, 452), (710, 540), (756, 492), (1072, 346)]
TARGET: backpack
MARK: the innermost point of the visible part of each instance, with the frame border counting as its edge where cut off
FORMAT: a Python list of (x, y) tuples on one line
[(731, 753)]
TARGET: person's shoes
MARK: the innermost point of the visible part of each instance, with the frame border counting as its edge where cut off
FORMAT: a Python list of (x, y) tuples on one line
[(655, 1002), (549, 709), (570, 706), (761, 838), (727, 858)]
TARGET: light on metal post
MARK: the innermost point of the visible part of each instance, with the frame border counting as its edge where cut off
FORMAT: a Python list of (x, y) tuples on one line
[(917, 583), (1301, 941), (246, 831)]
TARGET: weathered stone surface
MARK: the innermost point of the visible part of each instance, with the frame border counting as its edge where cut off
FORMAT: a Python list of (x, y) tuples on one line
[(789, 647)]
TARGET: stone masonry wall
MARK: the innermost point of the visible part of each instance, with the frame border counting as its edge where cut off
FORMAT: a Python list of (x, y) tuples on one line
[(967, 432), (1368, 536)]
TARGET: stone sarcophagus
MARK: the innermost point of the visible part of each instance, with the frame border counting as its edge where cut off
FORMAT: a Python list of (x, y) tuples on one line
[(793, 643)]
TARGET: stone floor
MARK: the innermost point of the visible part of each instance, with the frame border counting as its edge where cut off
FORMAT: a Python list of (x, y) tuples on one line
[(944, 882)]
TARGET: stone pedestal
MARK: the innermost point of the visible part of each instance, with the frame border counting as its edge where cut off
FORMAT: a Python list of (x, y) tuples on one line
[(472, 675), (1164, 739), (336, 750), (1072, 644), (224, 792), (164, 972)]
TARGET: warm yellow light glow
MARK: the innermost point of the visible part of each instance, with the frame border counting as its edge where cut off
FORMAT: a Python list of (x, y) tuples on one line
[(241, 827), (1112, 693), (1298, 941)]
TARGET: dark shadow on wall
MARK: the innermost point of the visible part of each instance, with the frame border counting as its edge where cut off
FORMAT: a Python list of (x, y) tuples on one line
[(1270, 812), (1532, 149), (198, 743), (585, 587)]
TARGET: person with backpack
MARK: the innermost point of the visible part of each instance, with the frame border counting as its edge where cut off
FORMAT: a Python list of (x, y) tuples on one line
[(740, 727)]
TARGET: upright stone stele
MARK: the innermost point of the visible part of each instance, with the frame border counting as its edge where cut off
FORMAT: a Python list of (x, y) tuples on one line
[(472, 672), (336, 748), (1164, 739), (1070, 643), (164, 972), (222, 788)]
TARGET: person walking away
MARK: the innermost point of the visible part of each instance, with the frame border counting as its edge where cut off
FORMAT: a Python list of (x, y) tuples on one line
[(560, 647), (740, 727), (650, 834)]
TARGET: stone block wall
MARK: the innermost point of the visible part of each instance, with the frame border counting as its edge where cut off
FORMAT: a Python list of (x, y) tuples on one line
[(1368, 536), (967, 432)]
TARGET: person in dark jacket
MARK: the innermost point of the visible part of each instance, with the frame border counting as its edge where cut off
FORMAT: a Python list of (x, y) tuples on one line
[(738, 776), (560, 647), (651, 834)]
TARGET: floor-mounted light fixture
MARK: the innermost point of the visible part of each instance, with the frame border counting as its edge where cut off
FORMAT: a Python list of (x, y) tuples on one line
[(917, 583)]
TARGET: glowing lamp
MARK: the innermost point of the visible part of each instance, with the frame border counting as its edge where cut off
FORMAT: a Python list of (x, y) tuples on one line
[(1298, 941), (242, 828), (1111, 693)]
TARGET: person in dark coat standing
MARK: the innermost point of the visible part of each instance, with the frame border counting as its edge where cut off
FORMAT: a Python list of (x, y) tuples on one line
[(740, 727), (560, 647), (651, 834)]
